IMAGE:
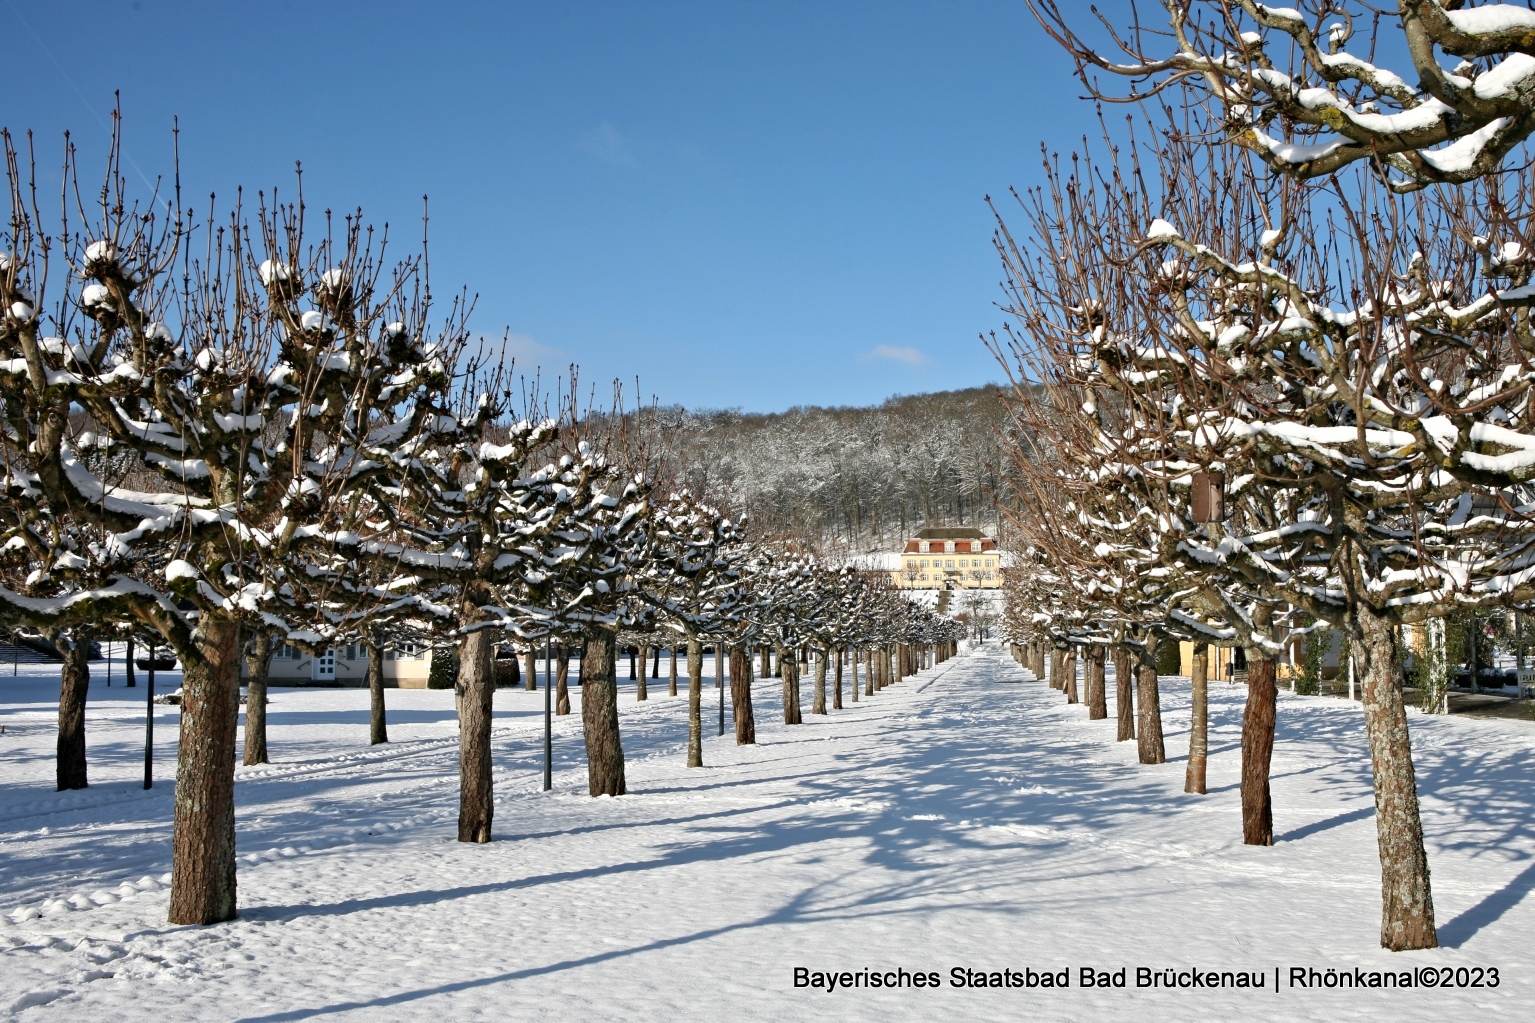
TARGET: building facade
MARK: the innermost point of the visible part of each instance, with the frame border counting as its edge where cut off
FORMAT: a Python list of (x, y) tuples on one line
[(948, 558), (406, 666)]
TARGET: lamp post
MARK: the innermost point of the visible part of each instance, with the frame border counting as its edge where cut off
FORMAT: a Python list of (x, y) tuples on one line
[(548, 714), (149, 720)]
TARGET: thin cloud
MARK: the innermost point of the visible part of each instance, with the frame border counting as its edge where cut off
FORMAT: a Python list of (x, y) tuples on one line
[(907, 355), (608, 144), (524, 349)]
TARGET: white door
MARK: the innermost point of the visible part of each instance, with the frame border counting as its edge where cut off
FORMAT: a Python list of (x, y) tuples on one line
[(325, 665)]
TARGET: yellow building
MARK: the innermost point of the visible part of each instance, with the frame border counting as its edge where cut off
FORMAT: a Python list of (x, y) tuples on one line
[(947, 558)]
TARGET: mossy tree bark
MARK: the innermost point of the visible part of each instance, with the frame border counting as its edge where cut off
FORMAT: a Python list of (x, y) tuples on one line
[(673, 650), (599, 715), (836, 695), (641, 692), (695, 703), (1407, 898), (790, 670), (741, 696), (818, 699), (1148, 701), (1124, 693), (74, 683), (475, 691), (378, 723), (258, 670), (1258, 749), (562, 681), (1199, 724), (203, 835), (1097, 698)]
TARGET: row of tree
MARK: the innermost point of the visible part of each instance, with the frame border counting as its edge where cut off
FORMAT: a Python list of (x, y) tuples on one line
[(231, 432), (1272, 359)]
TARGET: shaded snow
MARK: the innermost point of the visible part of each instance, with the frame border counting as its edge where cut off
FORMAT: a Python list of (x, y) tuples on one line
[(948, 821)]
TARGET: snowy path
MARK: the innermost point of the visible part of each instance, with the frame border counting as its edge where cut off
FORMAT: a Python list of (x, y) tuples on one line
[(951, 821)]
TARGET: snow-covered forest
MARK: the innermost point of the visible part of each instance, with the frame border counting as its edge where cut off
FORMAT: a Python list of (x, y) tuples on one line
[(847, 479)]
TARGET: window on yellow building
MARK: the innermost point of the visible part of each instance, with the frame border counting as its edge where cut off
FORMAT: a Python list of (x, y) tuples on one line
[(949, 563)]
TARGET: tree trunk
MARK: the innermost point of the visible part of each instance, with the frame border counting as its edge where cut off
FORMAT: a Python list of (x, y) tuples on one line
[(818, 700), (836, 695), (1055, 668), (695, 703), (868, 672), (561, 682), (641, 693), (1124, 694), (741, 696), (599, 715), (1097, 699), (852, 663), (378, 723), (790, 670), (128, 672), (673, 649), (530, 676), (1069, 674), (1148, 701), (74, 682), (203, 836), (1258, 750), (258, 670), (767, 663), (1199, 727), (476, 690), (1407, 898)]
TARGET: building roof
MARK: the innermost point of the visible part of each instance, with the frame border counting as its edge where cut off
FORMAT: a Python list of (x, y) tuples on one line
[(951, 533)]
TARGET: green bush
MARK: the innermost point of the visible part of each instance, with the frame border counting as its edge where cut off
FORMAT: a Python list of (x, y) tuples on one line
[(444, 673), (1309, 683), (1169, 657)]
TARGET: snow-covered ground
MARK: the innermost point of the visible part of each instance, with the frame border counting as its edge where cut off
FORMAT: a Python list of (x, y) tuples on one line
[(951, 821)]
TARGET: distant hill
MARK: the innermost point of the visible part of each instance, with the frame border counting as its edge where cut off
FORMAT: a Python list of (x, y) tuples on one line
[(848, 478)]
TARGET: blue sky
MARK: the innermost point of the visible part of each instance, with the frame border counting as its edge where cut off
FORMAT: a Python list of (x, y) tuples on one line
[(744, 205)]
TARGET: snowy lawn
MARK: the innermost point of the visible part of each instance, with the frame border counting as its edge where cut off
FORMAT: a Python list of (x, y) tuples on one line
[(950, 821)]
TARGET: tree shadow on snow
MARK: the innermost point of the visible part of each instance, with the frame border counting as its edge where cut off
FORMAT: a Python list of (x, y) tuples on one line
[(1458, 931)]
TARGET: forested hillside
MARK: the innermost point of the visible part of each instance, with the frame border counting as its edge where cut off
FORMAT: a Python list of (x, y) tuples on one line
[(854, 479)]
